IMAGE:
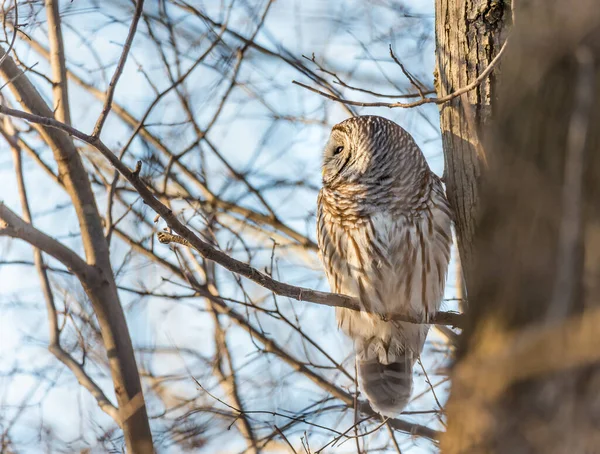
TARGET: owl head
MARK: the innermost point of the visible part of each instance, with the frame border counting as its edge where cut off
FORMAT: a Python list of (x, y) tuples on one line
[(369, 150)]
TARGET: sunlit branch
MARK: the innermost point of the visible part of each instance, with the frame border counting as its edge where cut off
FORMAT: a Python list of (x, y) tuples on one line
[(424, 100)]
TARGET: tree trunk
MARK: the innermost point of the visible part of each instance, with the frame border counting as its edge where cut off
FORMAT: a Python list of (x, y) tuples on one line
[(469, 34), (526, 380), (102, 290)]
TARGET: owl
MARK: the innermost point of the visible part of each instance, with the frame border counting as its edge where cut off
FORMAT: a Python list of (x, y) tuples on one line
[(384, 236)]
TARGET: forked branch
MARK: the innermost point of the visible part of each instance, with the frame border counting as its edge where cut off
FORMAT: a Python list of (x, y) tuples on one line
[(423, 100)]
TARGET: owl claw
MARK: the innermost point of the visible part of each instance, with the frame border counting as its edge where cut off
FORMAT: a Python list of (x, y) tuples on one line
[(384, 317)]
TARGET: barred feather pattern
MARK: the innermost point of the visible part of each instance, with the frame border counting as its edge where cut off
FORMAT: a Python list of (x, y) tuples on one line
[(383, 229)]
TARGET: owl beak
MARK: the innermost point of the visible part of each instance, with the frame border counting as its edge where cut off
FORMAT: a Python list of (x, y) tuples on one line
[(326, 180)]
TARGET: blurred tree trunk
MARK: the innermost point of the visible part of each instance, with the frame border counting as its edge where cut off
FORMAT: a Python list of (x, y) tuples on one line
[(469, 34), (527, 380)]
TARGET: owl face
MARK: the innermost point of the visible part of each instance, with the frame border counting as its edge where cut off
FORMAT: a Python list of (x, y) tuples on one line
[(338, 157), (352, 148), (369, 151)]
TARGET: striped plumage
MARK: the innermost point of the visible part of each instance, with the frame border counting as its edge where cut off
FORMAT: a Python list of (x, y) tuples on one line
[(383, 229)]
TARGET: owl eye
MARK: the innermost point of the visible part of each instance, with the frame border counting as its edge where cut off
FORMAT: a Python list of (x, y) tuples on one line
[(338, 150)]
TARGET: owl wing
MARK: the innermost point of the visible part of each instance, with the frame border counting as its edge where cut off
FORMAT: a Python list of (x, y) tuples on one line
[(354, 257), (391, 262), (329, 240)]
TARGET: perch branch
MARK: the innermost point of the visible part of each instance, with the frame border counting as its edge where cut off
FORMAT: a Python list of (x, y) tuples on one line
[(315, 296)]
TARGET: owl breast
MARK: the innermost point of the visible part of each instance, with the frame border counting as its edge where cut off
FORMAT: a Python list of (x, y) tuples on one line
[(393, 262)]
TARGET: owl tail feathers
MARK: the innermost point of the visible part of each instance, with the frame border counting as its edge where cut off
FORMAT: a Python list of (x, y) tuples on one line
[(387, 386)]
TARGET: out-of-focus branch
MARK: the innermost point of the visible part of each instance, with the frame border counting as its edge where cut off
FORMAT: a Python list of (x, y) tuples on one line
[(224, 362), (285, 55), (139, 6), (15, 31), (532, 352), (57, 62), (54, 345), (272, 347), (571, 230), (16, 227), (102, 289)]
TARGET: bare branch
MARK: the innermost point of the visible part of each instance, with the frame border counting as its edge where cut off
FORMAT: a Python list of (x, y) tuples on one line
[(15, 31), (211, 199), (139, 6), (16, 227), (57, 61), (570, 235), (54, 345), (300, 293), (436, 100), (100, 288), (503, 358)]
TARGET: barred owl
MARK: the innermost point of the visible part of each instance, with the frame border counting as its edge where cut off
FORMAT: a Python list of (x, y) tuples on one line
[(383, 229)]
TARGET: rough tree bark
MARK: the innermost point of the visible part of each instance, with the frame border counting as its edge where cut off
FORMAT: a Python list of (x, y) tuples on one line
[(523, 382), (469, 34)]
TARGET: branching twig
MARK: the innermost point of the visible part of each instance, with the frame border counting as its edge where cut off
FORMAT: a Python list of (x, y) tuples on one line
[(119, 70), (54, 345), (211, 199), (435, 100)]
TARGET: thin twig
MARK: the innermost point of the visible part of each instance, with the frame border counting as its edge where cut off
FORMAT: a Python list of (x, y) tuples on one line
[(15, 31), (414, 82), (393, 438), (285, 439), (139, 6), (435, 100), (338, 80)]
